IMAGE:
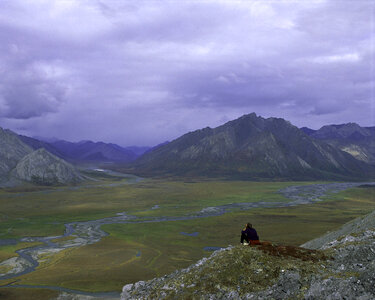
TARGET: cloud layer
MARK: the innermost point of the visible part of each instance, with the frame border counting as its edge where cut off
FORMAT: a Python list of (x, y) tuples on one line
[(141, 72)]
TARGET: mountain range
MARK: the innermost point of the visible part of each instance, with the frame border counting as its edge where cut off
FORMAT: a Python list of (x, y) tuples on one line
[(87, 151), (250, 147), (351, 138), (254, 148)]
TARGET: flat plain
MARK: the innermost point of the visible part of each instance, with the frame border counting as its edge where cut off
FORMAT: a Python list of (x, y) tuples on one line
[(140, 251)]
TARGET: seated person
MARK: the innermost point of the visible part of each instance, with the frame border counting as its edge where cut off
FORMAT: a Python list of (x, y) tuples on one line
[(250, 235)]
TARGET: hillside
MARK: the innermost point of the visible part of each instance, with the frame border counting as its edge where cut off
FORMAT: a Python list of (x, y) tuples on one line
[(254, 148), (351, 138), (12, 149), (342, 267), (18, 163), (42, 167)]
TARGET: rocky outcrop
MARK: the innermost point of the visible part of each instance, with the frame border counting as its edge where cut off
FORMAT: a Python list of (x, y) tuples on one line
[(12, 149), (19, 163), (343, 267), (42, 167)]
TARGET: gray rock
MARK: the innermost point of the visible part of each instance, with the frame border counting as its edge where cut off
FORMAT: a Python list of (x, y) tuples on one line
[(42, 167), (358, 225), (12, 149)]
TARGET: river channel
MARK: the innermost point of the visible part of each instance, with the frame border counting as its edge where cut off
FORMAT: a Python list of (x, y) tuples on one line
[(90, 232)]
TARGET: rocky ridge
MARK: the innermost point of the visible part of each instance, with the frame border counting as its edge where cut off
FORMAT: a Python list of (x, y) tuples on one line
[(339, 265), (42, 167), (19, 164), (350, 137), (252, 147), (11, 151)]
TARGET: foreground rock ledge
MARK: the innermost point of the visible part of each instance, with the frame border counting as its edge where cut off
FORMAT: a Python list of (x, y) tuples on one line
[(339, 265)]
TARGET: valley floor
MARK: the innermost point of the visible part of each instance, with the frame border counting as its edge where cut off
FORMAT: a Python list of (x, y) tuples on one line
[(193, 218)]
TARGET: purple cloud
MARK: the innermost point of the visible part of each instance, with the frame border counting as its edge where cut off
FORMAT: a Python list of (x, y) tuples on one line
[(141, 72)]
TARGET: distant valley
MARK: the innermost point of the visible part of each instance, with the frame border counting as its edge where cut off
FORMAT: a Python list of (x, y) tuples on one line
[(250, 148), (252, 168)]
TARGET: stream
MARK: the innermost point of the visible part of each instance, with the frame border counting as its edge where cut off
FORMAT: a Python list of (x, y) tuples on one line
[(90, 232)]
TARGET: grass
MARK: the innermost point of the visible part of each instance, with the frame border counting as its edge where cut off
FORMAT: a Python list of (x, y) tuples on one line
[(134, 252), (8, 251), (113, 262), (43, 212), (29, 294)]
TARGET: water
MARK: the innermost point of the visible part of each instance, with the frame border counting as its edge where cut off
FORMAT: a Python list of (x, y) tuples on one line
[(190, 234), (89, 232), (212, 248)]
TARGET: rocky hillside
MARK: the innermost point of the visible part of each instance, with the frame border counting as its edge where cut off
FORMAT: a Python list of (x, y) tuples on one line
[(42, 167), (351, 138), (340, 265), (252, 147), (18, 163), (11, 151)]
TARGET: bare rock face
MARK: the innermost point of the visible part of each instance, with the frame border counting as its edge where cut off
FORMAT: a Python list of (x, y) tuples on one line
[(42, 167), (12, 149)]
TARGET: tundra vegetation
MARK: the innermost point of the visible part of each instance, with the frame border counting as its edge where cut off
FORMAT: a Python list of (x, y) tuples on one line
[(133, 252)]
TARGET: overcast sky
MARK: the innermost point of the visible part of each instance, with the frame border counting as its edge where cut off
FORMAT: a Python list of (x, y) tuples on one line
[(142, 72)]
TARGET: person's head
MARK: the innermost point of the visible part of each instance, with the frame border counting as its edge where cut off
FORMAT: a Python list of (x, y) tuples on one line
[(249, 225)]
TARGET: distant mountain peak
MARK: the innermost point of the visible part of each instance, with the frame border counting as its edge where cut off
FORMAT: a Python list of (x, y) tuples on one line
[(349, 137), (341, 131), (307, 130), (250, 147)]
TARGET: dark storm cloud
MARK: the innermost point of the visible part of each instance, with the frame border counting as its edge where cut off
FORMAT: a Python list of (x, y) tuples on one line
[(28, 99), (28, 92), (140, 72), (29, 86)]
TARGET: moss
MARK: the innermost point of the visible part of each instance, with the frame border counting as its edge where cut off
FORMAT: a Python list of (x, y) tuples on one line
[(242, 269)]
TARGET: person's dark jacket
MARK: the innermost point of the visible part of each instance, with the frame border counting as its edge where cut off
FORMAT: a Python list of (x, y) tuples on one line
[(251, 234)]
